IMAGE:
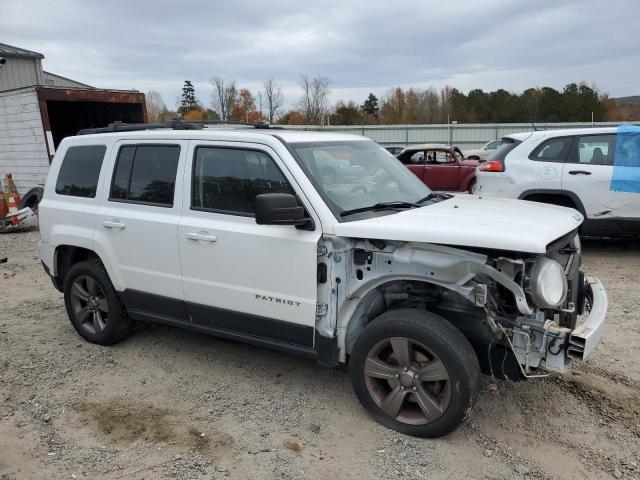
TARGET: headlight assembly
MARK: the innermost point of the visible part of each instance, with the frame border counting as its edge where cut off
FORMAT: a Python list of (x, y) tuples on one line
[(548, 284)]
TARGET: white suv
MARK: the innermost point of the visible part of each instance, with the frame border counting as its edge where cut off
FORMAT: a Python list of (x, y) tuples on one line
[(236, 233), (593, 170)]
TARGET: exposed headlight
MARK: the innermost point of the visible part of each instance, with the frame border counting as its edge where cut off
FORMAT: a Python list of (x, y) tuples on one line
[(548, 284)]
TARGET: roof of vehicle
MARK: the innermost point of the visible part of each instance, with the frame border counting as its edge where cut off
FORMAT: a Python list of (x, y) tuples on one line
[(561, 132), (247, 134), (427, 146)]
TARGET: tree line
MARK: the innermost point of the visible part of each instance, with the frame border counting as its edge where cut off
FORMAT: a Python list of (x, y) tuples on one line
[(577, 102)]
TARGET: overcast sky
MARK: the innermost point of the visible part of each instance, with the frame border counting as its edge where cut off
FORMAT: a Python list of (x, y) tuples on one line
[(361, 46)]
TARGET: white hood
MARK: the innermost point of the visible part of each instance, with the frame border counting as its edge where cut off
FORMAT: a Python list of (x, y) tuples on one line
[(472, 221)]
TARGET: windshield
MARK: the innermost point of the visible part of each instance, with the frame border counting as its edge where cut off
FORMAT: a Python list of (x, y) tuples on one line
[(356, 174)]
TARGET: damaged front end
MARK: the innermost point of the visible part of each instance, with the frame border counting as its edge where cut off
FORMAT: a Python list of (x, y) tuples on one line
[(518, 311), (549, 337)]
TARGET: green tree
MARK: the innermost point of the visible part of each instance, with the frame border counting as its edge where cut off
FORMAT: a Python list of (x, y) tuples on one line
[(346, 114), (371, 107), (188, 100)]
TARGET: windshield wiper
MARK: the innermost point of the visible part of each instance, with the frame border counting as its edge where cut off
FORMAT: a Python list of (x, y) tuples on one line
[(381, 206), (435, 195)]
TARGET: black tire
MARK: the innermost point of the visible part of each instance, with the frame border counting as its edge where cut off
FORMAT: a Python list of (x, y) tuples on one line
[(446, 344), (107, 321), (32, 198), (472, 184)]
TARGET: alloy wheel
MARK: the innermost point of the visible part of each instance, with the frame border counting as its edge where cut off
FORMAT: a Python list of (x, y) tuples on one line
[(407, 381), (89, 304)]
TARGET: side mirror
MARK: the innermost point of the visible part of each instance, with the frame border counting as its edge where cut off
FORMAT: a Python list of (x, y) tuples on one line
[(280, 209)]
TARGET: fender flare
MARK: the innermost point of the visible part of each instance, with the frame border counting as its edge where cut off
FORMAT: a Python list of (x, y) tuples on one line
[(566, 193), (464, 185)]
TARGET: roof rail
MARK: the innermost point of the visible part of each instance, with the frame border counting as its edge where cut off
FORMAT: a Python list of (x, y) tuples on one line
[(134, 127), (173, 125)]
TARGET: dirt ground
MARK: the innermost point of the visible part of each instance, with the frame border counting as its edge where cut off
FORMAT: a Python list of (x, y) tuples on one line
[(171, 404)]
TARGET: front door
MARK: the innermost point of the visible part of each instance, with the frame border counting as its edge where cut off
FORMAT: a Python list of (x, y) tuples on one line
[(442, 170), (257, 281)]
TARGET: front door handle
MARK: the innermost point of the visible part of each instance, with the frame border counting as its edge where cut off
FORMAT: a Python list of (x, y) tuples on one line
[(579, 172), (200, 236), (113, 224)]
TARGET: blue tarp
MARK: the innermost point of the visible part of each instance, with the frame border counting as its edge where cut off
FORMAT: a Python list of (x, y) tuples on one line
[(626, 164)]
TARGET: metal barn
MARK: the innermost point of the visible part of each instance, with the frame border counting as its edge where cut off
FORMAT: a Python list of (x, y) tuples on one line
[(38, 109)]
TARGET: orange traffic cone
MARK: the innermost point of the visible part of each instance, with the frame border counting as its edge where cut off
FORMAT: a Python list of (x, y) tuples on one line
[(13, 210), (4, 209), (11, 187)]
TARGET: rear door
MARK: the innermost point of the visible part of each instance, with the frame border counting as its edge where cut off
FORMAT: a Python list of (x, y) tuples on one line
[(588, 172), (240, 278), (137, 226)]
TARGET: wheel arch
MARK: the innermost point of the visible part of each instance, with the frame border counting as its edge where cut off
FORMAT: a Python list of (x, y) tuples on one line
[(466, 181), (67, 255), (550, 193), (374, 301)]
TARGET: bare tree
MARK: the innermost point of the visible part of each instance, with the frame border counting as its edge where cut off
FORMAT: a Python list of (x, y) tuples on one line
[(314, 103), (224, 97), (273, 96), (155, 106)]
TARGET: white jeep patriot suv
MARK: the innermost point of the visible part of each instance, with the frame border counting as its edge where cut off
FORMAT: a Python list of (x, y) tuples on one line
[(237, 234)]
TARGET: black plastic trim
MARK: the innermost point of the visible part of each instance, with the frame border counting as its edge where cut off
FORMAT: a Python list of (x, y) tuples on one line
[(327, 350), (566, 193), (249, 324), (218, 321)]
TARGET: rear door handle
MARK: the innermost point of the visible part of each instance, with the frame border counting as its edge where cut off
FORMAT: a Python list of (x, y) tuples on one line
[(579, 172), (199, 236), (113, 224)]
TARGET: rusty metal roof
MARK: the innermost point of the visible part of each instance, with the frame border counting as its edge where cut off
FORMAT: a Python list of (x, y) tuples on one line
[(11, 51)]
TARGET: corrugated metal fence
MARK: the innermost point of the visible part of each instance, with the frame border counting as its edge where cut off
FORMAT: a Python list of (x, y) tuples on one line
[(464, 135)]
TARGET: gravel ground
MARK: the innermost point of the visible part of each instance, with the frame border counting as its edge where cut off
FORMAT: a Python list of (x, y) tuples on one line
[(171, 404)]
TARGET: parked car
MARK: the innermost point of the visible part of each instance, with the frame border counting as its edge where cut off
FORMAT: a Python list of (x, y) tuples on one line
[(394, 149), (483, 152), (440, 167), (573, 168), (335, 169), (236, 233)]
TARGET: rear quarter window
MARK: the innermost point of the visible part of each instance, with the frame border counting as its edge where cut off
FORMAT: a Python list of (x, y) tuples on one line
[(503, 150), (80, 170), (552, 150)]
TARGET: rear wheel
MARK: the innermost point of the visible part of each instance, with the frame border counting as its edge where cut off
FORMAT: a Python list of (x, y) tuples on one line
[(93, 306), (472, 185), (415, 372)]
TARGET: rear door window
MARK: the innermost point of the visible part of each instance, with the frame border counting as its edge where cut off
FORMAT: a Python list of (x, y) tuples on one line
[(80, 170), (594, 150), (146, 174)]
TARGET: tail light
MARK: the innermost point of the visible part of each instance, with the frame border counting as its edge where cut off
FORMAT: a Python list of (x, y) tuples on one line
[(491, 166)]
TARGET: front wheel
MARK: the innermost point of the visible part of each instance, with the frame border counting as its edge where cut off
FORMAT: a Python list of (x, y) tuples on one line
[(415, 372), (472, 186)]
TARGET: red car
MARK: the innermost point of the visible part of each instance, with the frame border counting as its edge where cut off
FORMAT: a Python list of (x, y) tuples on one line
[(440, 167)]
